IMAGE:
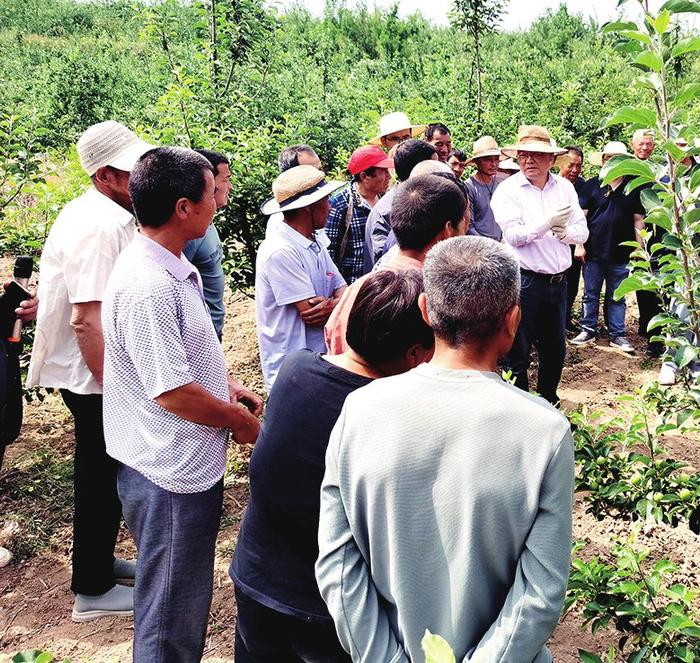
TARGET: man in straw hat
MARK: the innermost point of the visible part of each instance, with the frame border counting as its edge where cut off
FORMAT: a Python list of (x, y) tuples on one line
[(369, 167), (613, 217), (395, 128), (486, 157), (296, 282), (68, 354), (540, 216)]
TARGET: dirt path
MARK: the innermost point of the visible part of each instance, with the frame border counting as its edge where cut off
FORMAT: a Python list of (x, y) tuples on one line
[(35, 599)]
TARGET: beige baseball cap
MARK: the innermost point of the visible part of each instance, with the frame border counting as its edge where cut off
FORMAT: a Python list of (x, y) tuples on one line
[(110, 143)]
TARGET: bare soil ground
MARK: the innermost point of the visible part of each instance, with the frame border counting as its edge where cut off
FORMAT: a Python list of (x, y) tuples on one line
[(35, 598)]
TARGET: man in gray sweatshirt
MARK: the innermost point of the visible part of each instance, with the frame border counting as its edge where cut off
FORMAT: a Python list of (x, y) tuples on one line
[(446, 502)]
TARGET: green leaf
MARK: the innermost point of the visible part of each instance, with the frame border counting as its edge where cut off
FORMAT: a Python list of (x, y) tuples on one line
[(650, 199), (641, 117), (622, 166), (671, 241), (681, 6), (695, 179), (661, 22), (436, 649), (32, 656), (660, 320), (687, 93), (638, 657), (676, 623), (684, 355), (616, 26), (650, 60), (637, 36), (630, 284), (589, 657), (659, 217), (686, 46)]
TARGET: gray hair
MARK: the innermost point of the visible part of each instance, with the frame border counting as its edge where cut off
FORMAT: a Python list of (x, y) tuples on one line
[(470, 285)]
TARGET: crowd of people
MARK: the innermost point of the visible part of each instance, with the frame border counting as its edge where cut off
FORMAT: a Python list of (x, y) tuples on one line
[(397, 483)]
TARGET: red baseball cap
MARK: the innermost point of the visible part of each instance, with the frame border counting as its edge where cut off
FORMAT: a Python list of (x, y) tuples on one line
[(368, 157)]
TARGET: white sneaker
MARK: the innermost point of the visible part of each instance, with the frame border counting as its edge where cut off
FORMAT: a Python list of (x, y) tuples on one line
[(5, 557), (667, 374)]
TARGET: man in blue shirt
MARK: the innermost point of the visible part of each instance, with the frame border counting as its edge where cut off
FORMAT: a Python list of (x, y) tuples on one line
[(613, 218), (205, 253)]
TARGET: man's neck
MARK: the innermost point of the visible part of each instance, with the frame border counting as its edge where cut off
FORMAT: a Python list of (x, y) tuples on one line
[(108, 193), (413, 254), (303, 224), (368, 195), (165, 237), (466, 358), (539, 182), (484, 178), (616, 183)]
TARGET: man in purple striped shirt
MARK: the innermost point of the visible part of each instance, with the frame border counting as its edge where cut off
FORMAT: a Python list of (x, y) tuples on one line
[(168, 405), (540, 217)]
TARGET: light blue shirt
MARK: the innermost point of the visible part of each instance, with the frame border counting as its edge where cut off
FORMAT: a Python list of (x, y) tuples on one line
[(289, 268), (205, 254)]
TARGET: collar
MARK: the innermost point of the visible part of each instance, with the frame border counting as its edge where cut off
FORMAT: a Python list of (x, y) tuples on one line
[(297, 238), (523, 181), (123, 217), (180, 269)]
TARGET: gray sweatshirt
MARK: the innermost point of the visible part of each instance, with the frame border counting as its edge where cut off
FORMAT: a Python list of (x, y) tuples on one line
[(446, 505)]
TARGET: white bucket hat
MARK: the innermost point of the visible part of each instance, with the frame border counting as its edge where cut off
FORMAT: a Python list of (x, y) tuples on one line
[(298, 187), (612, 149), (509, 164), (110, 144), (388, 124)]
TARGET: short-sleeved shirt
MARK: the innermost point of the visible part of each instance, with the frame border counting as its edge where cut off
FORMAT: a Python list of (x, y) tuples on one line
[(482, 221), (610, 220), (289, 269), (158, 337), (205, 254), (82, 247), (352, 262), (277, 545), (377, 229)]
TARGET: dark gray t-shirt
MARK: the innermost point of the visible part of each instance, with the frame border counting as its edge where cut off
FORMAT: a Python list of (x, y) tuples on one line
[(482, 220)]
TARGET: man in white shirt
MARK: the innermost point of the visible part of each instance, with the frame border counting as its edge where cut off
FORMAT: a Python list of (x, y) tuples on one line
[(82, 247), (296, 283)]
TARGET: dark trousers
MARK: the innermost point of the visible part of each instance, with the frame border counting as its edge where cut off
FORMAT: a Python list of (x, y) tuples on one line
[(264, 635), (649, 305), (175, 536), (97, 512), (543, 306), (573, 276)]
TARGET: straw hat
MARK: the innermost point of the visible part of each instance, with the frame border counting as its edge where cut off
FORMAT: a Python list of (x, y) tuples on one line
[(509, 164), (110, 144), (298, 187), (392, 122), (533, 138), (612, 149), (486, 146)]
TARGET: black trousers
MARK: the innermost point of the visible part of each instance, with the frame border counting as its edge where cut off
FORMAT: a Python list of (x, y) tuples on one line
[(97, 512), (543, 307), (264, 635), (573, 276)]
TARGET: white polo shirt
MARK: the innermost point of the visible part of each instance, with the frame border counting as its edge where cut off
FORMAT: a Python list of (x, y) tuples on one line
[(83, 245), (289, 268)]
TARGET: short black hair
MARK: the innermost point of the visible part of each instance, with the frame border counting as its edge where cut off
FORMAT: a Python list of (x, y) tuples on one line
[(385, 320), (423, 205), (436, 128), (370, 172), (409, 153), (161, 177), (289, 156), (456, 152), (576, 149), (214, 158)]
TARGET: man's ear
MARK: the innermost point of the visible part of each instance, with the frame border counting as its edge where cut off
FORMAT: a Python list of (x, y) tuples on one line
[(182, 207), (104, 175), (512, 320), (423, 306)]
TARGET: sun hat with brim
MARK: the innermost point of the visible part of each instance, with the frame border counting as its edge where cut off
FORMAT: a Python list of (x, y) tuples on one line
[(508, 164), (486, 146), (110, 144), (533, 138), (298, 187), (368, 157), (389, 124), (612, 149)]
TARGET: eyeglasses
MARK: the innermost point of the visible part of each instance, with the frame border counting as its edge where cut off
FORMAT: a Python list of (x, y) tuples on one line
[(396, 139), (535, 156)]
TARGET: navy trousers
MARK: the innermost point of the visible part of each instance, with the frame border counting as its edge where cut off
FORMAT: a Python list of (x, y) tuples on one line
[(175, 535), (543, 323)]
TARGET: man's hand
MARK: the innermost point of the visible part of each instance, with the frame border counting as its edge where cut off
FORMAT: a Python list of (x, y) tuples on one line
[(319, 312), (580, 253), (558, 221), (246, 429), (248, 399), (26, 311)]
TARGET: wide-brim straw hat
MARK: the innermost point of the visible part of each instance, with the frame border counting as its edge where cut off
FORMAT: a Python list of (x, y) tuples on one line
[(486, 146), (112, 144), (298, 187), (533, 138), (509, 164), (612, 149), (389, 124)]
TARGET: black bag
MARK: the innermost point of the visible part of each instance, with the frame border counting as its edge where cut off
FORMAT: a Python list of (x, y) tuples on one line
[(10, 392)]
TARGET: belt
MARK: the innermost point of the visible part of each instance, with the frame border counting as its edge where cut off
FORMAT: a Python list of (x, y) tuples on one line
[(550, 278)]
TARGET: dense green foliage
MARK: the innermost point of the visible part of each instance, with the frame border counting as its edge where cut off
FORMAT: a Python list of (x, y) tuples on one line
[(239, 77)]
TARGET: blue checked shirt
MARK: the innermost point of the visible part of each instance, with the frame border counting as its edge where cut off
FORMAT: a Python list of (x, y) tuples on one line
[(351, 264)]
